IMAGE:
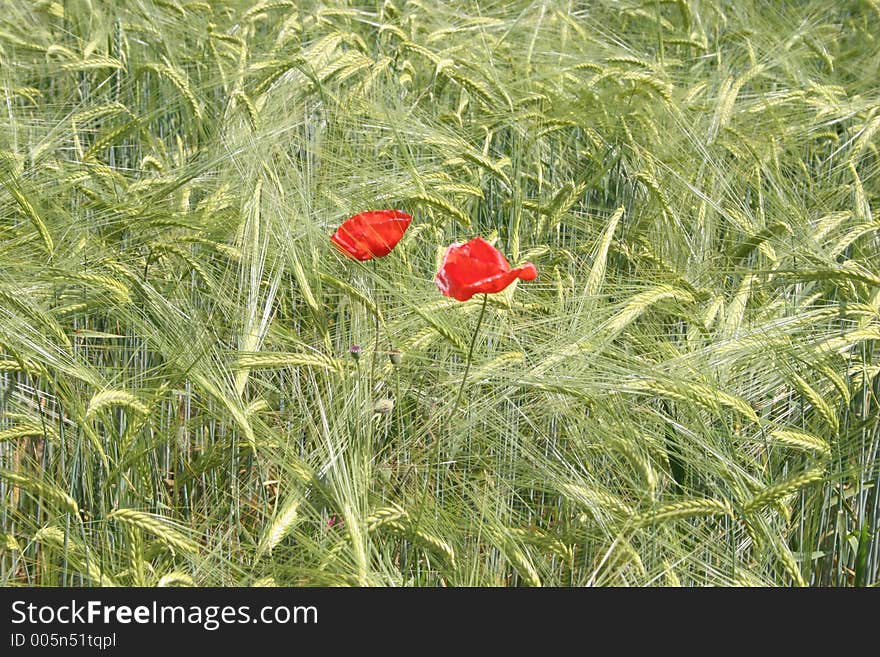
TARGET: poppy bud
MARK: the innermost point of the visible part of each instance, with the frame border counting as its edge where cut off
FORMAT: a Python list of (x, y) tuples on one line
[(384, 406), (355, 351), (395, 357)]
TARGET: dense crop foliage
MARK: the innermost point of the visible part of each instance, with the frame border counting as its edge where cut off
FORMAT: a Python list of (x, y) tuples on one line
[(688, 393)]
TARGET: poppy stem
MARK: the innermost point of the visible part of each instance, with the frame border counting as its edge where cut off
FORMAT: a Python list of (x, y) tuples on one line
[(467, 367), (435, 453), (376, 341)]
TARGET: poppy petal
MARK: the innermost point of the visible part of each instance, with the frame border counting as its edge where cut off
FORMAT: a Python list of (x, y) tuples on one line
[(489, 285), (342, 239), (371, 234), (477, 267), (466, 266), (480, 250), (527, 272), (383, 230)]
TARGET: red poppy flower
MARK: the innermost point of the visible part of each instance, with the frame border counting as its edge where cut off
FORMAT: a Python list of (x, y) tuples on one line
[(477, 267), (371, 234)]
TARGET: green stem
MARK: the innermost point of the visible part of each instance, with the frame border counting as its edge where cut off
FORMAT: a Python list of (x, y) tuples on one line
[(435, 454), (375, 353), (467, 367)]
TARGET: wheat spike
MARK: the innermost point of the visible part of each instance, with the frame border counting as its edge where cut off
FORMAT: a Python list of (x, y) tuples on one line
[(158, 526), (596, 501), (818, 402), (597, 271), (175, 578), (106, 398), (286, 359), (285, 520), (684, 509), (45, 491), (76, 552), (801, 440), (783, 489)]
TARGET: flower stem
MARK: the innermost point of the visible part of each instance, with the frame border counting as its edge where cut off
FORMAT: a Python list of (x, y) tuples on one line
[(467, 367), (375, 353), (435, 453), (376, 341)]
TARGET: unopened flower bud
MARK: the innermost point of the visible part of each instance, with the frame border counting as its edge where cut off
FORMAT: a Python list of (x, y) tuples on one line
[(384, 406), (395, 357)]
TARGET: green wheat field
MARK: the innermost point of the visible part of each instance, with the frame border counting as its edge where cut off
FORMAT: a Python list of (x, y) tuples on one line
[(687, 394)]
